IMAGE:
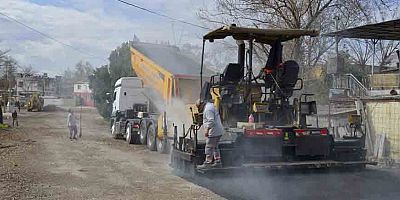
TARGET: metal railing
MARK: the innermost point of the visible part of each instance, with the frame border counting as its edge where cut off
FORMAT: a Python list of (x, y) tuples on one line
[(351, 84)]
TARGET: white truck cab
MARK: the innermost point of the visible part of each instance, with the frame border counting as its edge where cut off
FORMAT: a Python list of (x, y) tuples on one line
[(129, 105), (127, 92)]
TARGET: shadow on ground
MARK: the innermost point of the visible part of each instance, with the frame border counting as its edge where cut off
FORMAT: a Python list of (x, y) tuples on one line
[(370, 184)]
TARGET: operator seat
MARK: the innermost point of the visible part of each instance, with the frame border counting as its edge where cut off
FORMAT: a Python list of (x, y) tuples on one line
[(233, 73), (289, 77)]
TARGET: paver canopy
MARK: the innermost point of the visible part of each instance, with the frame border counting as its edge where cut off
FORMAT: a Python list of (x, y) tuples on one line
[(265, 36), (388, 30)]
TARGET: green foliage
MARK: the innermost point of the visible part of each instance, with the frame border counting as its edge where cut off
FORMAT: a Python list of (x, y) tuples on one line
[(103, 78), (100, 83), (120, 62)]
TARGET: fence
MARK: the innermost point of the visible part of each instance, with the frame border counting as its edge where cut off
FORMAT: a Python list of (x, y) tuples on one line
[(384, 81)]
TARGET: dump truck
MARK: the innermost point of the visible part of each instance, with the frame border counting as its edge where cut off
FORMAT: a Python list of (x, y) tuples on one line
[(171, 81), (278, 134), (129, 105), (35, 102)]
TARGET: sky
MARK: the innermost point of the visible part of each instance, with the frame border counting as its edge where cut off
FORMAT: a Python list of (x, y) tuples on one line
[(94, 27)]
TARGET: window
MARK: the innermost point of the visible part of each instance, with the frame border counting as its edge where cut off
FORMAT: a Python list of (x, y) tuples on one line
[(79, 87), (124, 93)]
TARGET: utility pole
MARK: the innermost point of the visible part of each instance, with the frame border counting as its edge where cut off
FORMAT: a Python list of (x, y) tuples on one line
[(374, 41), (7, 63), (80, 115), (337, 42)]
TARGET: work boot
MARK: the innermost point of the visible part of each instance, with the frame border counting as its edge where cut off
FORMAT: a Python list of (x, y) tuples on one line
[(216, 164), (205, 165)]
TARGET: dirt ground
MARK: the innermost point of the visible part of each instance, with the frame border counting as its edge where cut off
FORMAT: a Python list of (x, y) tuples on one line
[(38, 161)]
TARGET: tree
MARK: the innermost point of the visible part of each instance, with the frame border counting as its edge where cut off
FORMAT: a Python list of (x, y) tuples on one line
[(305, 14), (8, 68), (120, 62), (362, 51), (28, 70), (100, 84), (81, 73), (104, 77), (83, 70)]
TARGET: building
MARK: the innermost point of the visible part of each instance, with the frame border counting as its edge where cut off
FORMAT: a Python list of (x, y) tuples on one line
[(27, 84), (82, 93)]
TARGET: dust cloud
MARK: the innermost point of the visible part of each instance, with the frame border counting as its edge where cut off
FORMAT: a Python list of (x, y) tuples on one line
[(177, 111)]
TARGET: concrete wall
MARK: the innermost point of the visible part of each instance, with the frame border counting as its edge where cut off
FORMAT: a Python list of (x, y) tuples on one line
[(384, 118)]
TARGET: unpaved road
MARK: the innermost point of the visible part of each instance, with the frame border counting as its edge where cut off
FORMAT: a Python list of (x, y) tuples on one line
[(42, 163), (38, 161)]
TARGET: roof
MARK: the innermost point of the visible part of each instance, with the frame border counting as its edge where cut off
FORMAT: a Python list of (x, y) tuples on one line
[(266, 36), (388, 30), (171, 59)]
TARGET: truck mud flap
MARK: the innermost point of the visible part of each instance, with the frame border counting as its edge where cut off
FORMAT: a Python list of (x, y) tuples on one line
[(290, 165)]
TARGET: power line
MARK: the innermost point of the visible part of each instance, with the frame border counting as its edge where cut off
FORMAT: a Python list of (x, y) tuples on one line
[(48, 36), (171, 18), (163, 15)]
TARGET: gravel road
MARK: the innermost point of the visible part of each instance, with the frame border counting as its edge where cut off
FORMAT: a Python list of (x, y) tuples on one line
[(38, 161)]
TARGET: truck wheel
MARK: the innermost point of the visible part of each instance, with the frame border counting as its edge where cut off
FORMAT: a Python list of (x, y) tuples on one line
[(143, 133), (151, 138), (114, 131), (128, 134), (162, 146)]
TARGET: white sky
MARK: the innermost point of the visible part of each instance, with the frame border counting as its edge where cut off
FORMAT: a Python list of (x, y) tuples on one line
[(93, 26)]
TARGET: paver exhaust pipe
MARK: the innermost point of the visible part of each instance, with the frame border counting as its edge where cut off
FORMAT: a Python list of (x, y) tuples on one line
[(241, 53)]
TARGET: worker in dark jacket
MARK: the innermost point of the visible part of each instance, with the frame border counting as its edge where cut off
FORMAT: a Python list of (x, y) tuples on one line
[(213, 132), (14, 116), (18, 105)]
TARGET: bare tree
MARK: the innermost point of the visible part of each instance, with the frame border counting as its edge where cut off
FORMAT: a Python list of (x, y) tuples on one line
[(28, 70), (305, 14), (362, 51)]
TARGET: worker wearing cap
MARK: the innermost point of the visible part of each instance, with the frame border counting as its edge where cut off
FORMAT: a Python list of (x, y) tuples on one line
[(213, 130)]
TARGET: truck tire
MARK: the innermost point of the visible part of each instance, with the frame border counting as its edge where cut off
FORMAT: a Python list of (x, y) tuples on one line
[(143, 133), (128, 134), (114, 134), (162, 146), (151, 137)]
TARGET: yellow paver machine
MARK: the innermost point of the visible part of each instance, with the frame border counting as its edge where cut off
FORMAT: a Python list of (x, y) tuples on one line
[(278, 135)]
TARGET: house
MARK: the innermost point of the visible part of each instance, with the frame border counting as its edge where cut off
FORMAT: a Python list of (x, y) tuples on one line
[(27, 84), (82, 93)]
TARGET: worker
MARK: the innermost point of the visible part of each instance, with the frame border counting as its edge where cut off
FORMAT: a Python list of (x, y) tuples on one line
[(213, 130), (72, 126), (14, 116), (18, 105)]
